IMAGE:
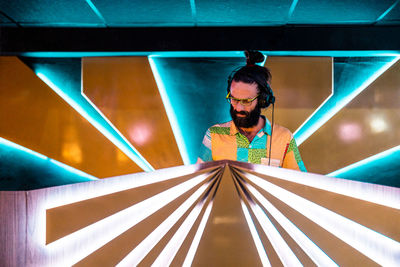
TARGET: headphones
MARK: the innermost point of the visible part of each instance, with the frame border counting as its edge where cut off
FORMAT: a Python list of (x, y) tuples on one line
[(266, 96)]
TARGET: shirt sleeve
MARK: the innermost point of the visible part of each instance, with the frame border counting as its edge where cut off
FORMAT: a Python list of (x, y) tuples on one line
[(292, 158), (205, 149)]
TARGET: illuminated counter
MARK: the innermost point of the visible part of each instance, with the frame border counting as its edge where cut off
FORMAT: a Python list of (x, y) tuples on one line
[(221, 213)]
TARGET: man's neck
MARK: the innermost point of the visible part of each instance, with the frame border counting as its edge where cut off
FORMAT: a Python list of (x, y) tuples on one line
[(251, 132)]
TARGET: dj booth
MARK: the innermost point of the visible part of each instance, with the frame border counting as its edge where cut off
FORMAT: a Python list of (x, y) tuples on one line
[(222, 213)]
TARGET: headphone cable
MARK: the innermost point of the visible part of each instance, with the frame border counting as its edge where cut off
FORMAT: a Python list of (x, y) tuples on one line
[(270, 138)]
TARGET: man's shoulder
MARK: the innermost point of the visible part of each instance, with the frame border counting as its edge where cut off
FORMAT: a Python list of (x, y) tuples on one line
[(280, 130), (221, 128)]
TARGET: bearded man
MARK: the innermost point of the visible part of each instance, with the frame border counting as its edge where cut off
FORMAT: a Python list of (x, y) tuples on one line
[(249, 136)]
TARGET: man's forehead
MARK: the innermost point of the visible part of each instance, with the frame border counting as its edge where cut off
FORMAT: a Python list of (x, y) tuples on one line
[(243, 90)]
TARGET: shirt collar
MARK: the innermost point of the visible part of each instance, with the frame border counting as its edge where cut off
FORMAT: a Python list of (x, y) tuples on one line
[(266, 129)]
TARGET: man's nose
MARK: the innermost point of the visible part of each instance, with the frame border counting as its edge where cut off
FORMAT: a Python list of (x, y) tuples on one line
[(239, 107)]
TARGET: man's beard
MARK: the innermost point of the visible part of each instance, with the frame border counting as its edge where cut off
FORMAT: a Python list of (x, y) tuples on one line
[(250, 120)]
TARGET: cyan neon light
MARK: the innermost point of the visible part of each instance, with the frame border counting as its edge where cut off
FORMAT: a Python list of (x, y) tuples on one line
[(96, 11), (170, 113), (42, 157), (199, 54), (365, 162), (27, 150), (335, 102), (100, 123), (292, 7), (387, 11)]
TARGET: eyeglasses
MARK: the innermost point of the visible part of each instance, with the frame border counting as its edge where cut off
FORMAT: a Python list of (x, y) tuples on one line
[(244, 102)]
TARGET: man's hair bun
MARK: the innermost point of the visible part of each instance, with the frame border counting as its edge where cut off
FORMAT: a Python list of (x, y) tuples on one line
[(253, 57)]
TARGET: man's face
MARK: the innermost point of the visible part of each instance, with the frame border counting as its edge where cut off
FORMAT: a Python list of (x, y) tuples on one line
[(245, 116)]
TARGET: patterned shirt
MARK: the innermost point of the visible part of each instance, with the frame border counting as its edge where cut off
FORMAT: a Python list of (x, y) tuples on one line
[(224, 141)]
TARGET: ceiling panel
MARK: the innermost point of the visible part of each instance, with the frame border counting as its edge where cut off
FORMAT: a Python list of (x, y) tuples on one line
[(5, 21), (341, 11), (48, 12), (241, 13), (142, 13)]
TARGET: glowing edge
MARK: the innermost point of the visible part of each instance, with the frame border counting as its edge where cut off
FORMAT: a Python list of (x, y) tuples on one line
[(196, 240), (117, 131), (100, 233), (136, 158), (75, 192), (379, 248), (364, 161), (170, 113), (310, 248), (339, 104), (379, 194), (256, 238), (167, 255), (38, 155), (143, 248), (285, 254)]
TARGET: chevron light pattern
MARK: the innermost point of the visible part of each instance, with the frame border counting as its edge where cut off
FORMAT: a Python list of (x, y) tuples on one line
[(221, 213)]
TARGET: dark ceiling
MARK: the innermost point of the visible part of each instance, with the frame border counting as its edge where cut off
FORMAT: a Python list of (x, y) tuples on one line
[(189, 13)]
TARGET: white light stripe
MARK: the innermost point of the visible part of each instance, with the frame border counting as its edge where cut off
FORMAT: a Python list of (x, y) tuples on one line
[(141, 250), (167, 255), (196, 240), (64, 195), (379, 194), (170, 113), (256, 238), (309, 247), (374, 245), (365, 161), (100, 233), (284, 252)]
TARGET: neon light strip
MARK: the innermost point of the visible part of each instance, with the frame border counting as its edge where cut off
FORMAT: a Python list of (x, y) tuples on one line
[(365, 161), (300, 138), (96, 11), (196, 240), (374, 245), (102, 187), (135, 156), (256, 238), (42, 157), (167, 255), (19, 147), (73, 170), (170, 113), (284, 252), (292, 7), (387, 11), (142, 159), (379, 194), (309, 247), (141, 250), (96, 235), (200, 54)]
